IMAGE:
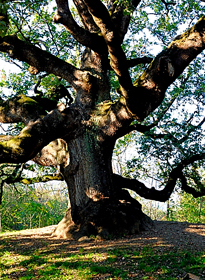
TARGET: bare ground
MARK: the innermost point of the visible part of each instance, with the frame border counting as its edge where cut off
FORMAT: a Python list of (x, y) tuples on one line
[(182, 235)]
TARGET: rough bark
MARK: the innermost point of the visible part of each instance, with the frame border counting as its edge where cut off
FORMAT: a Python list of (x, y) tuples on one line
[(97, 206), (38, 134)]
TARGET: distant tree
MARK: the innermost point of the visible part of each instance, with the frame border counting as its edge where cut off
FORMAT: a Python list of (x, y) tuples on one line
[(26, 207), (189, 209), (91, 56)]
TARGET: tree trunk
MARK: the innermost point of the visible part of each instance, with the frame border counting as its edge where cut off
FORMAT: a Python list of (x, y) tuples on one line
[(97, 206)]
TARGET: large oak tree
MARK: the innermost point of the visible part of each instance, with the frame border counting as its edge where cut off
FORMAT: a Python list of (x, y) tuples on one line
[(79, 135)]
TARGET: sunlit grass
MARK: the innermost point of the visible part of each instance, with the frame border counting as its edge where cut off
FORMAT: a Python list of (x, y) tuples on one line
[(24, 258)]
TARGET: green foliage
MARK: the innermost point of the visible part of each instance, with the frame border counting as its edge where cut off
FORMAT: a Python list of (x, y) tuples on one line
[(190, 209), (178, 123), (31, 207), (3, 19), (177, 133), (34, 23)]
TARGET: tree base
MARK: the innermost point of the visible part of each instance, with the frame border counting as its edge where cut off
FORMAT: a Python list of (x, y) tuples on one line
[(104, 219)]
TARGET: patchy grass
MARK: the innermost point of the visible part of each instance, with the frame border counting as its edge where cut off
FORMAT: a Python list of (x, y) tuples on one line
[(39, 257)]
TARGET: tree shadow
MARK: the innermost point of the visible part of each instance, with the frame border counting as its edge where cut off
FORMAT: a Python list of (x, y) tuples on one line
[(170, 247)]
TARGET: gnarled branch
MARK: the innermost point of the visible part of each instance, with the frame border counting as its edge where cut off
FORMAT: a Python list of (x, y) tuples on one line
[(22, 108), (38, 134), (185, 187), (165, 68), (159, 195), (41, 60), (83, 36), (86, 17), (117, 56)]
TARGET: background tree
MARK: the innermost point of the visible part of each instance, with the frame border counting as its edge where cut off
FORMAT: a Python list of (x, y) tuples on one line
[(114, 94), (190, 209), (31, 206)]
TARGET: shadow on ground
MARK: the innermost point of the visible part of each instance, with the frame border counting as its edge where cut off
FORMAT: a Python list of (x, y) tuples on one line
[(169, 251)]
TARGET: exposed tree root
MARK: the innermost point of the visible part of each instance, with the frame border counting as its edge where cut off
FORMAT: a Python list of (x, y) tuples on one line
[(104, 219)]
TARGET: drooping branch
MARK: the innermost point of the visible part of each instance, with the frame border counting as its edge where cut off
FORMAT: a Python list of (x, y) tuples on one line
[(185, 187), (15, 175), (41, 60), (83, 36), (165, 68), (38, 134), (40, 77), (152, 193), (143, 191), (9, 174), (167, 135)]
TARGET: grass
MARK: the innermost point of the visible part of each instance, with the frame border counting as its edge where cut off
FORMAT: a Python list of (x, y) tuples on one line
[(25, 257)]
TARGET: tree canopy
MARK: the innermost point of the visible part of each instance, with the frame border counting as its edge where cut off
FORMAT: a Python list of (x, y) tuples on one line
[(95, 71)]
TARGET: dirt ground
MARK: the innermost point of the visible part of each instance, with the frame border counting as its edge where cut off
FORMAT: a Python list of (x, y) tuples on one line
[(182, 235)]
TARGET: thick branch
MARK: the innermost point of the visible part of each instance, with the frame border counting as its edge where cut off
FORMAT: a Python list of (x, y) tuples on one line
[(120, 17), (145, 128), (168, 65), (143, 191), (54, 154), (117, 56), (86, 17), (83, 36), (158, 195), (38, 134), (185, 187), (24, 109), (140, 60), (41, 60)]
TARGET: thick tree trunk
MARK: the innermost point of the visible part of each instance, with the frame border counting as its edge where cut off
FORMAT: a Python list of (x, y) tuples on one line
[(89, 174), (97, 206)]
